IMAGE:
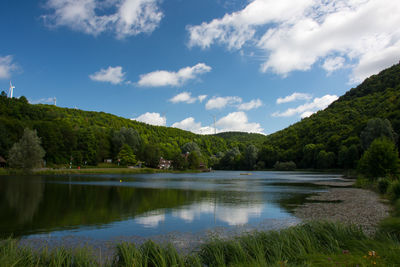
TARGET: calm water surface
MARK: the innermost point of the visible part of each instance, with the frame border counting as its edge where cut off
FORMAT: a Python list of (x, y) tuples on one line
[(107, 206)]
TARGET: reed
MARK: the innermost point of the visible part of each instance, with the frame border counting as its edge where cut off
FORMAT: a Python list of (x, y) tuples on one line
[(310, 244)]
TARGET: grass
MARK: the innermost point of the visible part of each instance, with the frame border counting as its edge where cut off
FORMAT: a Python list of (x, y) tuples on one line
[(311, 244), (117, 170)]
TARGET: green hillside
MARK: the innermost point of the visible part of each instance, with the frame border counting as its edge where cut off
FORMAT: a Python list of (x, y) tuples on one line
[(327, 139), (88, 136), (340, 125)]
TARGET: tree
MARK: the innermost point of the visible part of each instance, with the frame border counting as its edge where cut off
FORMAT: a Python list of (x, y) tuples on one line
[(269, 155), (151, 155), (377, 128), (126, 155), (27, 153), (179, 162), (250, 157), (380, 159), (190, 147), (325, 159), (126, 136), (194, 160)]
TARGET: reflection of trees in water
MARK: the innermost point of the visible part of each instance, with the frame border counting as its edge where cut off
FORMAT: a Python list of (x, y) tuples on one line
[(24, 197)]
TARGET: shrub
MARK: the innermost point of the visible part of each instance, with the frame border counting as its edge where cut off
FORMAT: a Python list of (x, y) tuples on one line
[(383, 184), (285, 166), (394, 190)]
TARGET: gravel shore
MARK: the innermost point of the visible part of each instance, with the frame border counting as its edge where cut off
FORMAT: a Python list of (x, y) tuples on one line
[(346, 205)]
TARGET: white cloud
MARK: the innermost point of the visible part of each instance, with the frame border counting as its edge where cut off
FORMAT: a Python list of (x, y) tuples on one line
[(170, 78), (235, 121), (188, 124), (308, 109), (333, 63), (238, 121), (186, 97), (123, 17), (221, 102), (152, 118), (293, 97), (363, 34), (6, 67), (255, 103), (112, 75)]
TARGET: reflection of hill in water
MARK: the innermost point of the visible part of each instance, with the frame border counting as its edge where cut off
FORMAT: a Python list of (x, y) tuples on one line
[(29, 206)]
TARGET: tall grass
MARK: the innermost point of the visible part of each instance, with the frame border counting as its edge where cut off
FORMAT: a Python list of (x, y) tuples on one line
[(311, 244), (13, 255)]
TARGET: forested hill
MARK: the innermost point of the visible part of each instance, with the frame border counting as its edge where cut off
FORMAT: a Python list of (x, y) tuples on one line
[(339, 126), (327, 139), (91, 136)]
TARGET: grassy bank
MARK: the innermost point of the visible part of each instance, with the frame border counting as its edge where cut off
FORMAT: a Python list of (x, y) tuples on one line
[(311, 244), (118, 170)]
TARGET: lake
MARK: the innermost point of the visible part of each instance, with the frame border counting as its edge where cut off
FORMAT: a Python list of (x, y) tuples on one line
[(109, 206)]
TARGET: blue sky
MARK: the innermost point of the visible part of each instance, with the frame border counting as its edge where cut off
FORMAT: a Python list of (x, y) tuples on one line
[(255, 66)]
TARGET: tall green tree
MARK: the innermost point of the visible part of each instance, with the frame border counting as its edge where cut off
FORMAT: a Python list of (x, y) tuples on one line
[(250, 157), (377, 128), (27, 153), (126, 155), (151, 155), (380, 159), (194, 160)]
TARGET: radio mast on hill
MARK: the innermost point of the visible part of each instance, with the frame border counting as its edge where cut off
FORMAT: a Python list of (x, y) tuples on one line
[(11, 90)]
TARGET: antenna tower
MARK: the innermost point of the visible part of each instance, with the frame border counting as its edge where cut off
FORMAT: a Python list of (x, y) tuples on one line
[(215, 128)]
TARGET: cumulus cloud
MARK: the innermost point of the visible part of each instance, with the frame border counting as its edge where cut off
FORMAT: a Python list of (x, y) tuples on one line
[(238, 121), (186, 97), (152, 118), (333, 63), (255, 103), (170, 78), (7, 66), (293, 97), (221, 102), (309, 108), (188, 124), (235, 121), (112, 75), (294, 35), (123, 17)]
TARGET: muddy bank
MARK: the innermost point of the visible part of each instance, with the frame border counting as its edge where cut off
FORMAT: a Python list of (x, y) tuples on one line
[(347, 205)]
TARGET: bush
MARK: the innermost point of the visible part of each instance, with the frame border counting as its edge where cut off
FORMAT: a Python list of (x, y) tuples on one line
[(383, 184), (394, 190), (285, 166)]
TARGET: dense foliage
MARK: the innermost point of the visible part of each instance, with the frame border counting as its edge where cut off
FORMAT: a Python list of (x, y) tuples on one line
[(337, 130), (380, 159), (27, 153), (333, 138)]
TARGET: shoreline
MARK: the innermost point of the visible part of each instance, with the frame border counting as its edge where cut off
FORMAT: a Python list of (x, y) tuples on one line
[(345, 204)]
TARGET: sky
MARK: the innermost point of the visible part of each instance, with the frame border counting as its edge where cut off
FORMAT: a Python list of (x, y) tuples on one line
[(202, 66)]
